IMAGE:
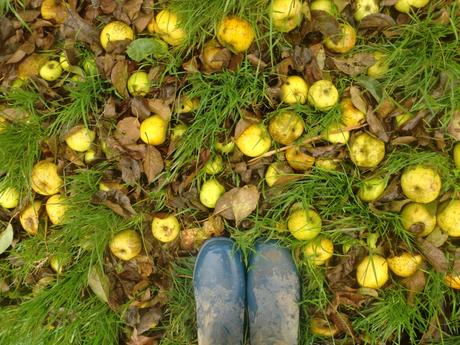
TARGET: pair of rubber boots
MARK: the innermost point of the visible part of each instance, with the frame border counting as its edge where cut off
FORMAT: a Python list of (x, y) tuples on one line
[(223, 289)]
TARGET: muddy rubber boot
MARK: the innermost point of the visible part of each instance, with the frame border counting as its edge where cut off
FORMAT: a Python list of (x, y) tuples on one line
[(219, 284), (272, 295)]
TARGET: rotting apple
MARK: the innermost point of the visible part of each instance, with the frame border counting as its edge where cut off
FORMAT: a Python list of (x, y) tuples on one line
[(138, 83), (294, 90), (323, 95), (448, 217), (254, 141), (372, 272), (380, 66), (9, 198), (415, 215), (51, 70), (165, 229), (364, 8), (214, 166), (214, 57), (350, 115), (56, 208), (421, 183), (323, 328), (126, 244), (346, 41), (53, 10), (286, 15), (80, 138), (327, 163), (318, 251), (29, 217), (211, 190), (45, 178), (372, 188), (299, 160), (285, 127), (402, 119), (366, 151), (114, 32), (304, 224), (153, 130), (169, 29), (405, 264), (235, 33)]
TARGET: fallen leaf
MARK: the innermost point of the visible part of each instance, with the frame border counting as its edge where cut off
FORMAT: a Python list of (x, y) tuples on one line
[(454, 125), (149, 319), (377, 22), (238, 203), (357, 99), (119, 77), (213, 226), (130, 169), (99, 283), (153, 163), (372, 85), (434, 256), (116, 200), (128, 130), (355, 64), (160, 107), (437, 237), (376, 125), (326, 24), (415, 283), (6, 238)]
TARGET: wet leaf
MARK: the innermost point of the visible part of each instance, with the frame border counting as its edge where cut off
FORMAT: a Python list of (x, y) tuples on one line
[(376, 125), (326, 24), (128, 131), (130, 169), (116, 200), (354, 64), (142, 48), (153, 163), (119, 77), (99, 283), (6, 238), (434, 256), (437, 237), (238, 203)]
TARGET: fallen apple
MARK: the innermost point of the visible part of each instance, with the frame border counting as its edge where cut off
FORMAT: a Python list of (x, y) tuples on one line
[(126, 244), (51, 70), (366, 151), (153, 130), (327, 163), (415, 215), (178, 131), (45, 178), (165, 229), (404, 6), (372, 272), (235, 33), (304, 224), (350, 115), (323, 95), (90, 156), (380, 66), (364, 8), (225, 148), (169, 29), (402, 119), (114, 32), (80, 138), (286, 15), (57, 264), (53, 10), (456, 155), (29, 217), (323, 328), (211, 190), (294, 90), (138, 84), (214, 166), (285, 127), (405, 264), (299, 160), (346, 41), (65, 65), (214, 57), (452, 281), (448, 217), (9, 198), (336, 134), (421, 183), (89, 66), (187, 105), (254, 141), (275, 172), (371, 189), (56, 208), (324, 5), (318, 251)]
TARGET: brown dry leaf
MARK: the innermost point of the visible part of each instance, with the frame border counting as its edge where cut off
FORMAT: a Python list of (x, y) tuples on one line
[(326, 24), (415, 283), (437, 237), (130, 169), (81, 30), (132, 8), (388, 2), (344, 267), (357, 99), (128, 131), (454, 125), (355, 64), (238, 203), (149, 319), (160, 107), (434, 256), (141, 340), (377, 22), (25, 49), (110, 111), (342, 322), (214, 226), (119, 77), (153, 163), (376, 125), (116, 200), (140, 108)]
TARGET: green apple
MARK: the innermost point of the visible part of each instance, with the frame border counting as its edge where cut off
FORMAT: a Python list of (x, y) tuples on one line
[(178, 131), (371, 189), (254, 141), (211, 190), (414, 214), (366, 151), (364, 8), (51, 70), (448, 217), (285, 127), (294, 90), (401, 119), (286, 15), (57, 264), (9, 197), (214, 165), (421, 183), (323, 95), (138, 84), (166, 228), (126, 244), (225, 148), (89, 66), (304, 224), (457, 155)]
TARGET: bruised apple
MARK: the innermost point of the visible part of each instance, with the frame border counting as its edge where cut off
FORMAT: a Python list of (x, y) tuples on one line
[(275, 172), (214, 165), (367, 151), (335, 134), (416, 215), (421, 183), (285, 127), (126, 244), (254, 141), (45, 178), (346, 42), (29, 217), (364, 8), (350, 115), (323, 5), (299, 160), (116, 31), (165, 229), (235, 33), (323, 328)]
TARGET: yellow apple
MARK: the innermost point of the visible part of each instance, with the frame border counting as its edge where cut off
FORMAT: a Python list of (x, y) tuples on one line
[(405, 264), (54, 10), (138, 83), (275, 173), (350, 115), (56, 208), (3, 124), (304, 224), (323, 95), (214, 165), (169, 29), (187, 105), (366, 151), (285, 127), (65, 65), (405, 5), (9, 197), (327, 163), (419, 214), (372, 189), (294, 90), (323, 5), (178, 131), (30, 66), (323, 328), (236, 34), (380, 66), (403, 118), (80, 138), (225, 147), (90, 156), (299, 160), (165, 229), (452, 281), (335, 134), (448, 217), (29, 217), (457, 155), (286, 15), (364, 8), (153, 130), (51, 70), (116, 31), (45, 178), (57, 264), (372, 272), (254, 141), (421, 183), (318, 251), (346, 42), (210, 192), (126, 244)]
